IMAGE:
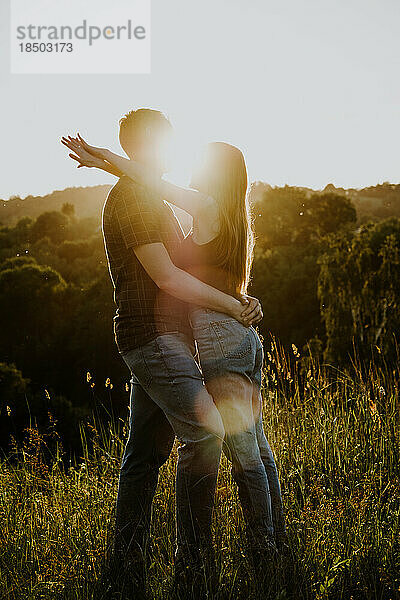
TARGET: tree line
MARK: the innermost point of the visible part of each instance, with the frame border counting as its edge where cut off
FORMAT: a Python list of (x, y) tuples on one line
[(326, 276)]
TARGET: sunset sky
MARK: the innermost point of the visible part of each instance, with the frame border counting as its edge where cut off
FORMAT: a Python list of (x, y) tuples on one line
[(308, 89)]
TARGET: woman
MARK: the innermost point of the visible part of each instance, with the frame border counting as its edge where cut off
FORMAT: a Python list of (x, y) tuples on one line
[(219, 251)]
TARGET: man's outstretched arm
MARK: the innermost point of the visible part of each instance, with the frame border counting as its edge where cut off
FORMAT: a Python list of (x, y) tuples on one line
[(169, 278)]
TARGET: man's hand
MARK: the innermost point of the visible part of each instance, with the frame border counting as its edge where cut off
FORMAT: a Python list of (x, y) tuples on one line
[(175, 282), (253, 313)]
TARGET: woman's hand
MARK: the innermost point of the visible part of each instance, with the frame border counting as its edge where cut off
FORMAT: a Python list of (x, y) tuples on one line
[(93, 150), (78, 142), (80, 154), (253, 312)]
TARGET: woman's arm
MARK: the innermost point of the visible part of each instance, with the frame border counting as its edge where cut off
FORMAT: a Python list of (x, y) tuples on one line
[(188, 199), (106, 167), (84, 159), (251, 314)]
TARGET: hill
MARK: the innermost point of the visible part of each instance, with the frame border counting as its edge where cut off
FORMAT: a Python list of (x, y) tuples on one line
[(372, 203), (88, 202)]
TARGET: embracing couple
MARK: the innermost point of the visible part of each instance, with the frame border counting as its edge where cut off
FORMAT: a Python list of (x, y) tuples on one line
[(175, 294)]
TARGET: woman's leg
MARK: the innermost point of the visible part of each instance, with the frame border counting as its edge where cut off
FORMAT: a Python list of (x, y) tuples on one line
[(268, 460), (232, 394), (227, 353), (266, 453)]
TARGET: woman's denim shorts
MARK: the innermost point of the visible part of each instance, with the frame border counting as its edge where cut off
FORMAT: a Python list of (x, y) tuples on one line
[(226, 346)]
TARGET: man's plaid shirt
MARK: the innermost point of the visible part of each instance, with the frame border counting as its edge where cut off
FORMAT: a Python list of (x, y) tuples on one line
[(132, 216)]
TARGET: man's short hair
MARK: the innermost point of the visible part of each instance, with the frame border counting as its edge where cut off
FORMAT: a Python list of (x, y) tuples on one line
[(143, 125)]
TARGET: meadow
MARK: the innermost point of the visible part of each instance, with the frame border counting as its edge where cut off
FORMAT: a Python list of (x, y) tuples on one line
[(335, 434)]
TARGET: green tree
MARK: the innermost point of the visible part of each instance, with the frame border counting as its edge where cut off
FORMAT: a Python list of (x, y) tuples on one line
[(12, 385), (71, 251), (288, 215), (68, 210), (30, 313), (359, 291), (53, 225), (291, 227)]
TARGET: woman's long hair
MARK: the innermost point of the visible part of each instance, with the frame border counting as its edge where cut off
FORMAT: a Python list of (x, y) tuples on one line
[(223, 176)]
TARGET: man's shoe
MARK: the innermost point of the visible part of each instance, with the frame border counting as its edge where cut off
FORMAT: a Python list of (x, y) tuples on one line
[(122, 579), (193, 582), (264, 561), (282, 543)]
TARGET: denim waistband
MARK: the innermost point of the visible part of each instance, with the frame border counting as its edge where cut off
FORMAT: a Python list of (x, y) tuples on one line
[(202, 317)]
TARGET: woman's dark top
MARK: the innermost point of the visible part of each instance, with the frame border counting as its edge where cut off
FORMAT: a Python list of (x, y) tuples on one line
[(201, 261)]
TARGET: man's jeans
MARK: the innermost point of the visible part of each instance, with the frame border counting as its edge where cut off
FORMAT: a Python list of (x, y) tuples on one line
[(168, 399), (231, 358)]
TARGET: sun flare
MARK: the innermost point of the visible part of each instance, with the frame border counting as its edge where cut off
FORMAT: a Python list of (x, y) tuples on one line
[(184, 155)]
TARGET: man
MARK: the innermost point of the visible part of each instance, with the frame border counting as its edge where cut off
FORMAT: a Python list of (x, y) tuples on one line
[(168, 398)]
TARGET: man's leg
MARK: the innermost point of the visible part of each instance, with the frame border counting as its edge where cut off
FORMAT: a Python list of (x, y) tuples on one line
[(169, 374), (149, 444)]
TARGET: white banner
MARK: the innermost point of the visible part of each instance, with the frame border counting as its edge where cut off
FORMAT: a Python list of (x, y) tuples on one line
[(80, 36)]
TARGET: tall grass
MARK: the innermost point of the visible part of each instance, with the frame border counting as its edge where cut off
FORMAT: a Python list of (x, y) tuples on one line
[(336, 441)]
